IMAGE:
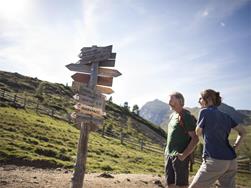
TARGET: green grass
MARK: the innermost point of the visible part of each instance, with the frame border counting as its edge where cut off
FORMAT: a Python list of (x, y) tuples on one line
[(245, 148), (41, 141), (29, 139)]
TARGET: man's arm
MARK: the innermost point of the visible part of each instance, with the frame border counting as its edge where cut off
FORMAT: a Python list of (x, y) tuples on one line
[(241, 133), (191, 146)]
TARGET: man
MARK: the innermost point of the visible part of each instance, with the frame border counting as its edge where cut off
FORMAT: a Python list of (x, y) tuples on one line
[(181, 141)]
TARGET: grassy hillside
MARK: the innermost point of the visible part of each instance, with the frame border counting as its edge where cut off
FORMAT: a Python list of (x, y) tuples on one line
[(53, 96), (29, 139)]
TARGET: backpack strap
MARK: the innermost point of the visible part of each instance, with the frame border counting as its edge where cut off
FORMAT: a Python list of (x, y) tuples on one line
[(181, 121)]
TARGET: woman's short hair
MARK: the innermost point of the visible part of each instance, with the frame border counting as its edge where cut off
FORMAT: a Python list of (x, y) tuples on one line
[(178, 96), (212, 95)]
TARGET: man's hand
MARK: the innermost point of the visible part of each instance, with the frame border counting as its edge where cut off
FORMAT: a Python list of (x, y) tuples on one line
[(181, 157)]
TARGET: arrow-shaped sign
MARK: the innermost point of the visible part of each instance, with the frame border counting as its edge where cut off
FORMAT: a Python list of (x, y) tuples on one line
[(96, 48), (84, 78), (79, 118), (82, 89), (95, 53), (97, 102), (103, 63), (87, 69), (105, 90), (85, 109)]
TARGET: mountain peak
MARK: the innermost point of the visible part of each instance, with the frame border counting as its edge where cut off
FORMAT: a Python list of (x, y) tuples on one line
[(155, 111)]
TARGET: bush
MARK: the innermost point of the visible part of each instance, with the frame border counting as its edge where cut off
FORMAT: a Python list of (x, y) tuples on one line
[(46, 152), (106, 167)]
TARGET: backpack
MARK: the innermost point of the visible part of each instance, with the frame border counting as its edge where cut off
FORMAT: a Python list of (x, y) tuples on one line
[(181, 122)]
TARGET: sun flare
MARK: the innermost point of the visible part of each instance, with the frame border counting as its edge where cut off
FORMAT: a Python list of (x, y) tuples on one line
[(14, 9)]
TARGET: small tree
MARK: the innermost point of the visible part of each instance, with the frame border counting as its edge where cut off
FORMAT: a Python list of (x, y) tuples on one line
[(110, 99), (126, 106), (135, 109)]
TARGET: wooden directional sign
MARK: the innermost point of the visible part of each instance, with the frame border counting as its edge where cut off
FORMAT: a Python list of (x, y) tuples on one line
[(79, 118), (105, 90), (88, 96), (82, 89), (109, 62), (94, 54), (104, 63), (87, 69), (85, 109), (85, 78), (97, 102)]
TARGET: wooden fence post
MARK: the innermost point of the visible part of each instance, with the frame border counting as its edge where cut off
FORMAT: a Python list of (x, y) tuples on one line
[(141, 144), (121, 137), (37, 106), (52, 112), (15, 99), (103, 131), (3, 93), (25, 100), (69, 118)]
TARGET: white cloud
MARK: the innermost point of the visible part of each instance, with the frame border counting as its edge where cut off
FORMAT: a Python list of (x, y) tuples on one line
[(39, 50), (205, 13), (215, 11), (222, 24)]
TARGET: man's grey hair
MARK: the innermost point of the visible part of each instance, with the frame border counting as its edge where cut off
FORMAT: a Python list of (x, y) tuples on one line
[(178, 96)]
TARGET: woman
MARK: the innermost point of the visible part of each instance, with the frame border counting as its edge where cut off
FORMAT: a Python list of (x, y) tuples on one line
[(219, 157)]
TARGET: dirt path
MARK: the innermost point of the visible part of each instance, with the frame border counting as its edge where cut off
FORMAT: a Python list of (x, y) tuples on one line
[(16, 177)]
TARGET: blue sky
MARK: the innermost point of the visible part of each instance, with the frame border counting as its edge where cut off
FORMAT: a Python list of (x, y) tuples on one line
[(162, 46)]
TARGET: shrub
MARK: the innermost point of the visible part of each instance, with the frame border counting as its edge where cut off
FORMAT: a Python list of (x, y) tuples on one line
[(106, 167)]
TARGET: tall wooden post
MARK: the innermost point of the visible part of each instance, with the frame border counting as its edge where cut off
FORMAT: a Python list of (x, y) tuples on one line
[(80, 167), (79, 171)]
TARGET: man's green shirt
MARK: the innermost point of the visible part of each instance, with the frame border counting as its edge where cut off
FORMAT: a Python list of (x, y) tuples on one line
[(177, 136)]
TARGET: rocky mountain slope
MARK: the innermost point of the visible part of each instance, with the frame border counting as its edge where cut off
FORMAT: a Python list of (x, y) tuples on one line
[(155, 111)]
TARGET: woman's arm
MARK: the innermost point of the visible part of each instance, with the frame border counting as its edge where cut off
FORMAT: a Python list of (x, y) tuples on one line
[(198, 131), (241, 133)]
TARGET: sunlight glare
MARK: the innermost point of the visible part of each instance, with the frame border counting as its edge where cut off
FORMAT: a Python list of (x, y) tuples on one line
[(14, 9)]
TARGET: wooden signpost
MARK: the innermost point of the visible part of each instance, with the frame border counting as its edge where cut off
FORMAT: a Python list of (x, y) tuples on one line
[(85, 78), (89, 85), (87, 69)]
